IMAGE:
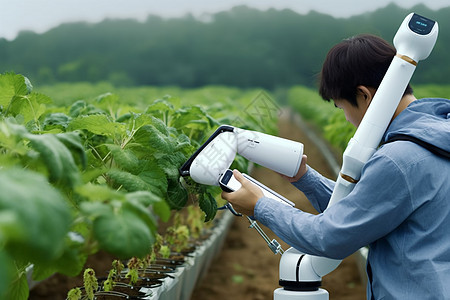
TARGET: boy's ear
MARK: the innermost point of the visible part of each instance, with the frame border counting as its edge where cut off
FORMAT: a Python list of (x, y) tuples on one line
[(366, 92)]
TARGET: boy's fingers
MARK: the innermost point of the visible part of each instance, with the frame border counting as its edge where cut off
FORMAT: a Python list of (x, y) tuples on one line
[(239, 177)]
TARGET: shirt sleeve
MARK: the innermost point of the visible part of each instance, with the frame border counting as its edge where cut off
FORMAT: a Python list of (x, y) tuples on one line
[(369, 212), (317, 188)]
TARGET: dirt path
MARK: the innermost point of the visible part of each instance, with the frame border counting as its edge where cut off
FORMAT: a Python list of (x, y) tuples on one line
[(247, 269)]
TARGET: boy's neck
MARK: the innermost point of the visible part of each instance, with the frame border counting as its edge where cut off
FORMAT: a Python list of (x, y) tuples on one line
[(404, 102)]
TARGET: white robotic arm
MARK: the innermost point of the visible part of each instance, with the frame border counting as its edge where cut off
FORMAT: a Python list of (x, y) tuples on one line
[(414, 41)]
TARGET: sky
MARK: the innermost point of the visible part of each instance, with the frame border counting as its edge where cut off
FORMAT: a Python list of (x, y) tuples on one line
[(42, 15)]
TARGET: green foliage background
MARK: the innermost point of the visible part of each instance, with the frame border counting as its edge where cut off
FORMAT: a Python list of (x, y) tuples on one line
[(243, 47)]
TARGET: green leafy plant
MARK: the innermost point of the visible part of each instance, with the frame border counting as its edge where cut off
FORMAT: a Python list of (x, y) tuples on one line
[(178, 237), (134, 264), (90, 283), (113, 274), (159, 248), (194, 221), (74, 294), (338, 131), (100, 174), (109, 283), (164, 251), (322, 115)]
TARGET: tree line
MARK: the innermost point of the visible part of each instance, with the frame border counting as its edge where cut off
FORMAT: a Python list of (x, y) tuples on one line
[(242, 47)]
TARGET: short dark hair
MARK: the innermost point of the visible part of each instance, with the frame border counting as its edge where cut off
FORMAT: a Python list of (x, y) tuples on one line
[(359, 60)]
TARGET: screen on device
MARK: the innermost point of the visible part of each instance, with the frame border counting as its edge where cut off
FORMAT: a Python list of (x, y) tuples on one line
[(420, 25)]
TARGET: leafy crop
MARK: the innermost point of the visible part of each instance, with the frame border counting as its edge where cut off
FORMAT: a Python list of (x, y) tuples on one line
[(329, 120), (92, 175)]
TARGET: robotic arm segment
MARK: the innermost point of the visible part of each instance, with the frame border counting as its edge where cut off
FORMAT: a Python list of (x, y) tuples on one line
[(417, 38), (413, 41), (281, 155), (216, 155), (308, 271)]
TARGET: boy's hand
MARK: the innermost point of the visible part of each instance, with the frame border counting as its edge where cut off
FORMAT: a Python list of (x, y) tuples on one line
[(244, 199), (301, 171)]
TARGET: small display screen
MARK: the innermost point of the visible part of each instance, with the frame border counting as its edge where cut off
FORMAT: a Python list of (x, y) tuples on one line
[(226, 177), (420, 25)]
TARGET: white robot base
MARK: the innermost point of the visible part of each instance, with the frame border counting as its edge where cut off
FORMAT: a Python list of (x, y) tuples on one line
[(282, 294)]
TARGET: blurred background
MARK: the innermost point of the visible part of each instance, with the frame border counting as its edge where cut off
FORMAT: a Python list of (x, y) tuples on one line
[(266, 44)]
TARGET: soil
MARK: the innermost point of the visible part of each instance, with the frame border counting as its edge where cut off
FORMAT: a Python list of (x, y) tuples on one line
[(245, 269)]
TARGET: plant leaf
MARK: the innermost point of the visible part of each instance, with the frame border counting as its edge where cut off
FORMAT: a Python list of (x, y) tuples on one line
[(6, 273), (128, 181), (152, 174), (162, 210), (56, 120), (98, 193), (42, 215), (11, 85), (124, 158), (123, 233), (142, 212), (154, 139), (159, 108), (30, 106), (72, 141), (19, 289), (70, 263), (98, 124), (176, 195), (146, 198), (190, 115), (57, 159), (80, 107), (208, 205)]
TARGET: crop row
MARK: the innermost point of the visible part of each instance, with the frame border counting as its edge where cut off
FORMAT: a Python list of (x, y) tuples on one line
[(95, 175)]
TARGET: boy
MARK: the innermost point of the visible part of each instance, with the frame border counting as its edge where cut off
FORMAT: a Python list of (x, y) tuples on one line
[(401, 205)]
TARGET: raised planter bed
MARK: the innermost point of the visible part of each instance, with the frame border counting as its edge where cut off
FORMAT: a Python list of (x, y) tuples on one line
[(173, 278), (183, 281)]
